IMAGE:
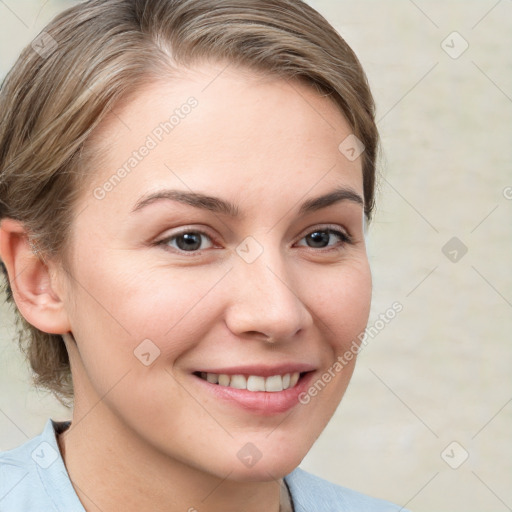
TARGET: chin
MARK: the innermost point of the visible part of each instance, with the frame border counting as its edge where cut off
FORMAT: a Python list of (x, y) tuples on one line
[(267, 459), (263, 471)]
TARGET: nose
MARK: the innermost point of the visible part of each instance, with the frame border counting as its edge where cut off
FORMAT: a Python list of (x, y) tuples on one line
[(266, 300)]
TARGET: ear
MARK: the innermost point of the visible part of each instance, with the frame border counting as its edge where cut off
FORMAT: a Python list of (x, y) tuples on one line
[(33, 281)]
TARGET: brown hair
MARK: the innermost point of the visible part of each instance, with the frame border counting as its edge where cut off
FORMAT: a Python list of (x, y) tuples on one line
[(100, 51)]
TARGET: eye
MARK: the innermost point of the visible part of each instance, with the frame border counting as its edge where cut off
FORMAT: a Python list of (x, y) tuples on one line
[(320, 238), (192, 240), (187, 241)]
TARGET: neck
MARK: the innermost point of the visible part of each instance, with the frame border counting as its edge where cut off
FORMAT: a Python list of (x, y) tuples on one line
[(108, 464)]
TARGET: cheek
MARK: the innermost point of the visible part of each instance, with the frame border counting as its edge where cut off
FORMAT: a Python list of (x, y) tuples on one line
[(343, 309), (118, 309), (342, 300)]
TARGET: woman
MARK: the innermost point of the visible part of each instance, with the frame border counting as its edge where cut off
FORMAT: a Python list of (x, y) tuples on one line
[(184, 190)]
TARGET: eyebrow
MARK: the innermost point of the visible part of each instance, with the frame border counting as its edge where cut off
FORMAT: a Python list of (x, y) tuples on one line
[(221, 206)]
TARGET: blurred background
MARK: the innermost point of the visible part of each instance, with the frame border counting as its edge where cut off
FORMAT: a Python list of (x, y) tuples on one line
[(425, 419)]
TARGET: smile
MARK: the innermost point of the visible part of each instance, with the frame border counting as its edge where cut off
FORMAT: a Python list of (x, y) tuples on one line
[(271, 384), (257, 389)]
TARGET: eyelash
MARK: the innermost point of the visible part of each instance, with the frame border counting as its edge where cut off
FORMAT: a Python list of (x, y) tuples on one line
[(344, 237)]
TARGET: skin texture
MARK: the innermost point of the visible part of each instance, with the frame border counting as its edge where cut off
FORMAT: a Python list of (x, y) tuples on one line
[(149, 436)]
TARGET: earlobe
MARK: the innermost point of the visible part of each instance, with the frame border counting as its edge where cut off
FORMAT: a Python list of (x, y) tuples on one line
[(31, 280)]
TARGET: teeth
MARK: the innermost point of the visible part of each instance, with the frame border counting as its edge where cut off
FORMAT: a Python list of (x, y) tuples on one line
[(224, 379), (274, 383), (255, 383), (238, 382), (270, 384), (294, 377), (212, 377)]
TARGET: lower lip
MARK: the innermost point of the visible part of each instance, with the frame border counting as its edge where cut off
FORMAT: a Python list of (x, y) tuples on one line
[(261, 402)]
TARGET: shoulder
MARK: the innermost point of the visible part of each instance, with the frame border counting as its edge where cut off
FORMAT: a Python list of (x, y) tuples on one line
[(33, 476), (314, 494), (18, 476)]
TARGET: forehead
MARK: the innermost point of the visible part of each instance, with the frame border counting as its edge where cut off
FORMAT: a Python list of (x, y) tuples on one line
[(214, 127)]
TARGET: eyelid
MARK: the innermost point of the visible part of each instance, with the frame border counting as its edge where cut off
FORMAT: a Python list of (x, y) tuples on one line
[(333, 228), (183, 230)]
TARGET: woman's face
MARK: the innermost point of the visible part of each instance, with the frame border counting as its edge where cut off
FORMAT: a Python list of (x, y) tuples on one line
[(210, 256)]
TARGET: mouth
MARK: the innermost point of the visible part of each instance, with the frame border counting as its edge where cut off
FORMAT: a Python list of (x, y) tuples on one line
[(258, 390), (253, 383)]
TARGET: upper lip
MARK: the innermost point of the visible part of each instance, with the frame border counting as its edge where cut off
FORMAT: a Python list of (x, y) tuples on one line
[(260, 370)]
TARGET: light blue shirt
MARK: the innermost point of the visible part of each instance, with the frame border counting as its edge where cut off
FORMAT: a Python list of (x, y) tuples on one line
[(33, 478)]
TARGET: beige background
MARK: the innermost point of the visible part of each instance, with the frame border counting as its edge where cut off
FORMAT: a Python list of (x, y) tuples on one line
[(440, 371)]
